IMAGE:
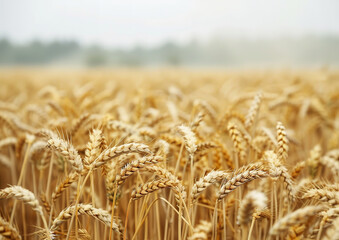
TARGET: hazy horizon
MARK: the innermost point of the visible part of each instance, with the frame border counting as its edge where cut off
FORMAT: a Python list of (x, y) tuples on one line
[(149, 23)]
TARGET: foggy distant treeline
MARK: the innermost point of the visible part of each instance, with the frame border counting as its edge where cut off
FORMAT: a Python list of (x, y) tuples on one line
[(309, 50)]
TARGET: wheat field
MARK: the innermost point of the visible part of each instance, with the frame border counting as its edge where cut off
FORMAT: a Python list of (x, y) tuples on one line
[(169, 154)]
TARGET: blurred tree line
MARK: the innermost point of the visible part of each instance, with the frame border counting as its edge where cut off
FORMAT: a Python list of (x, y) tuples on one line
[(35, 52), (217, 51)]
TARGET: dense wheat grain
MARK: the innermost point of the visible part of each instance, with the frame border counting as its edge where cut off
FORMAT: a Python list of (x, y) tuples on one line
[(85, 209), (155, 157), (7, 231), (299, 216)]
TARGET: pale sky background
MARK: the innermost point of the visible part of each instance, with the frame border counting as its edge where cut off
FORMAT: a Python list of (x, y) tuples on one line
[(126, 23)]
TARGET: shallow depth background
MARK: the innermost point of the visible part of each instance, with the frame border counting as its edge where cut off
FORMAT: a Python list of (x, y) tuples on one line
[(195, 34)]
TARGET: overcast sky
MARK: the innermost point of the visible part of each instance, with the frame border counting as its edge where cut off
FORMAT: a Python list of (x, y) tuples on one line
[(127, 22)]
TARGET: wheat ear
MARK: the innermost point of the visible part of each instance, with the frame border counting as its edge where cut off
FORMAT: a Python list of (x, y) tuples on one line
[(6, 121), (67, 151), (8, 141), (152, 186), (296, 232), (113, 152), (278, 170), (331, 160), (134, 166), (328, 217), (324, 195), (238, 141), (201, 231), (253, 111), (254, 201), (71, 178), (197, 121), (164, 173), (207, 108), (7, 231), (93, 146), (314, 160), (299, 216), (189, 138), (282, 142), (205, 146), (297, 169), (24, 195), (240, 178), (84, 209), (79, 122), (333, 232), (171, 139), (204, 182)]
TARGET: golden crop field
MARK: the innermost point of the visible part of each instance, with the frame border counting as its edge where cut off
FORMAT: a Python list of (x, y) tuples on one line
[(169, 154)]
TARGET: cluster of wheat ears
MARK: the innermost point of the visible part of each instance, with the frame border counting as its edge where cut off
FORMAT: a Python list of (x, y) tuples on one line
[(169, 155)]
